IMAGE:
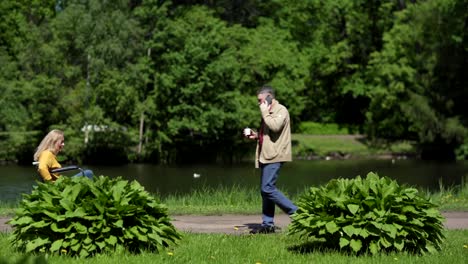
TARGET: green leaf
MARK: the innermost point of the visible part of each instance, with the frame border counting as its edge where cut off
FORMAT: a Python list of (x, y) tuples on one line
[(87, 241), (119, 223), (409, 209), (50, 214), (142, 237), (356, 245), (54, 227), (128, 234), (402, 218), (72, 191), (430, 248), (364, 233), (399, 244), (111, 240), (36, 243), (349, 230), (75, 242), (343, 242), (84, 253), (417, 222), (76, 247), (39, 224), (432, 212), (331, 227), (101, 244), (118, 189), (66, 204), (384, 242), (379, 213), (79, 212), (80, 228), (374, 247), (55, 247), (353, 208), (24, 220), (391, 230)]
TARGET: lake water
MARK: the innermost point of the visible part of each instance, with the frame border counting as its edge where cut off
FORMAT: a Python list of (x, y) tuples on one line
[(294, 177)]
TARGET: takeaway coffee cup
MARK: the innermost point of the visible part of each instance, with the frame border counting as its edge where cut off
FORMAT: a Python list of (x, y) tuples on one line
[(247, 131)]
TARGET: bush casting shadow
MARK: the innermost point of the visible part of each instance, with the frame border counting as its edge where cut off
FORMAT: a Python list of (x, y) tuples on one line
[(313, 247), (371, 214)]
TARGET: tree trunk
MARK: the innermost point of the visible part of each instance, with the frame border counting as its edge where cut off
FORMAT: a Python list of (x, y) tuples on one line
[(402, 4), (140, 141)]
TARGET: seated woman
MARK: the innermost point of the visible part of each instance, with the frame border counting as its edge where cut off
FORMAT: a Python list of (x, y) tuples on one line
[(46, 154)]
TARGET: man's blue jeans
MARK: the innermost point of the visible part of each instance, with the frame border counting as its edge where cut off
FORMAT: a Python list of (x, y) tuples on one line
[(271, 195)]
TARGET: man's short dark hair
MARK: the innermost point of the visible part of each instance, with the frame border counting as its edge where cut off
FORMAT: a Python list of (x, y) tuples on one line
[(266, 89)]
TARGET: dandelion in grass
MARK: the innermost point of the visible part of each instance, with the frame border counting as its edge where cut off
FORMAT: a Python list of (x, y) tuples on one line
[(170, 253), (465, 246)]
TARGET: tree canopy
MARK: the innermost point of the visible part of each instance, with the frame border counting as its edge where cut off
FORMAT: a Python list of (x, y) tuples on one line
[(169, 81)]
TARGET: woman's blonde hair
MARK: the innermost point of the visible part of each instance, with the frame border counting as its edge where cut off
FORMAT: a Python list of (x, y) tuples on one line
[(48, 142)]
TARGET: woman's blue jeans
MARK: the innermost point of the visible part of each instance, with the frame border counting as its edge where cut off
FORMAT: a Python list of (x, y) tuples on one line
[(86, 173), (271, 196)]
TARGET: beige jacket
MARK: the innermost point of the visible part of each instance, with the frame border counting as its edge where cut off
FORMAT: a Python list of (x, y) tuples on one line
[(276, 136)]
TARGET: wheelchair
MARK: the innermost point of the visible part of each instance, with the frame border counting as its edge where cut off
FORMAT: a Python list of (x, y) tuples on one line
[(63, 169)]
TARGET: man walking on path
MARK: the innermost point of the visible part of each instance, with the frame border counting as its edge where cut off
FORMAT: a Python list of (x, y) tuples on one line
[(273, 149)]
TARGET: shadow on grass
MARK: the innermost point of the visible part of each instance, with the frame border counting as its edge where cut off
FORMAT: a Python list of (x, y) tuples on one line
[(257, 226), (310, 247), (28, 259), (315, 247)]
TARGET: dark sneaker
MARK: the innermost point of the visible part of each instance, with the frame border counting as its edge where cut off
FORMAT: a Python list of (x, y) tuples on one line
[(263, 230)]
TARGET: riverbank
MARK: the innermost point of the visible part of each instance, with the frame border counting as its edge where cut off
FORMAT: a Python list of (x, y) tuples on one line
[(312, 147), (344, 146)]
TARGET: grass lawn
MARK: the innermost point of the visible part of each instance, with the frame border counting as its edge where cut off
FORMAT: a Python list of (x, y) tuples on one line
[(277, 248), (355, 146), (8, 208), (238, 200)]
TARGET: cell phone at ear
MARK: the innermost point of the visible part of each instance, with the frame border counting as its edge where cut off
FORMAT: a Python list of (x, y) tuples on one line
[(269, 99)]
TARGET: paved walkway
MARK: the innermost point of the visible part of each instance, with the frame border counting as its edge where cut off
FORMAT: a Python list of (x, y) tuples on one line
[(241, 224)]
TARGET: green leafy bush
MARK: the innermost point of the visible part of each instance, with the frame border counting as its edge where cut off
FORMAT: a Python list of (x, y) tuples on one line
[(462, 151), (369, 215), (81, 217)]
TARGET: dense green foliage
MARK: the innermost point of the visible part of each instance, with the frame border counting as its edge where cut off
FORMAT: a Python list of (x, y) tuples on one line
[(237, 200), (160, 80), (81, 217), (369, 215)]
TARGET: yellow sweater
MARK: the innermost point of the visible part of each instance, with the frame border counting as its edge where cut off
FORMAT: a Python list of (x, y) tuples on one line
[(47, 162)]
